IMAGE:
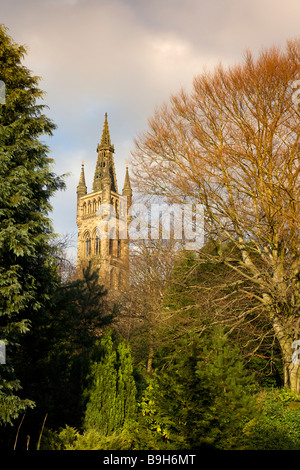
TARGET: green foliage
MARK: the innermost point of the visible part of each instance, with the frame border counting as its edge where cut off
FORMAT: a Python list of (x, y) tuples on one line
[(285, 395), (278, 426), (59, 440), (95, 440), (27, 268), (267, 367), (150, 416), (202, 397), (221, 367), (71, 439), (205, 291), (11, 405), (53, 358), (78, 311), (111, 397), (132, 437)]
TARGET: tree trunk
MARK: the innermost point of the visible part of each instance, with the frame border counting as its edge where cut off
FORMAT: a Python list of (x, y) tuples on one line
[(292, 376), (286, 335), (150, 358)]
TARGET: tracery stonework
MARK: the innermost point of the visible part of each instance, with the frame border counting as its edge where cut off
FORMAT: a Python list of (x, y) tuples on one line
[(110, 255)]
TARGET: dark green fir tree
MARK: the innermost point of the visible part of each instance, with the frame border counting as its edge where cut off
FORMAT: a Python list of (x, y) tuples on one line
[(54, 356), (27, 268), (112, 393), (202, 395)]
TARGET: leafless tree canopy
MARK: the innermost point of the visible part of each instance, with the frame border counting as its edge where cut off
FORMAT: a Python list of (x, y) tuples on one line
[(233, 145)]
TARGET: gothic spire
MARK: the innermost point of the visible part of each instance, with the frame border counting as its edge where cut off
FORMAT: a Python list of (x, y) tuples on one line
[(127, 191), (81, 188), (105, 161), (105, 139)]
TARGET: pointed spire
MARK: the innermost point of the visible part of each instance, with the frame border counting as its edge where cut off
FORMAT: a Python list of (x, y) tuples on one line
[(105, 161), (127, 191), (81, 188), (105, 139)]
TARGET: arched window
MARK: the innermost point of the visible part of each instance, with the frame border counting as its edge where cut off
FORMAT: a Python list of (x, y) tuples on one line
[(87, 245), (84, 208), (119, 249), (89, 207), (97, 245)]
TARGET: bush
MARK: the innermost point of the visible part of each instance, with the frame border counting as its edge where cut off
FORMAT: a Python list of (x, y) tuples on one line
[(135, 436), (278, 427)]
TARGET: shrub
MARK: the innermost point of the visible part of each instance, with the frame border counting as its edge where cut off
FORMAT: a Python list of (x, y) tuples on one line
[(278, 427)]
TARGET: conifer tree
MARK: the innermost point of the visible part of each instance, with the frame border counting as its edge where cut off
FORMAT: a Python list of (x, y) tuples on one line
[(27, 272), (126, 384), (54, 355), (112, 394), (220, 366), (202, 395)]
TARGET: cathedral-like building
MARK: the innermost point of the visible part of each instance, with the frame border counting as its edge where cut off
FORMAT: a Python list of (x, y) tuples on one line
[(100, 240)]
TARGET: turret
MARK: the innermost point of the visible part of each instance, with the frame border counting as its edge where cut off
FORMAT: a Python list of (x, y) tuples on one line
[(127, 191), (81, 188)]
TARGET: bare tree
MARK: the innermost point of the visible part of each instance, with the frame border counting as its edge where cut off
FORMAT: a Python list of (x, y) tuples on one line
[(142, 313), (66, 264), (233, 145)]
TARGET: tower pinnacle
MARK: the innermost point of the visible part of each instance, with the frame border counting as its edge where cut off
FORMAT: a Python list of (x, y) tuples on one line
[(105, 160), (105, 139), (127, 191), (81, 188)]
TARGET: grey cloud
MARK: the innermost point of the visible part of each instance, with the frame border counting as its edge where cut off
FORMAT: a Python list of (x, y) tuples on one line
[(125, 57)]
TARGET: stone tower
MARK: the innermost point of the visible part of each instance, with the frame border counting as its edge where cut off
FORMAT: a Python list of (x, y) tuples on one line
[(102, 217)]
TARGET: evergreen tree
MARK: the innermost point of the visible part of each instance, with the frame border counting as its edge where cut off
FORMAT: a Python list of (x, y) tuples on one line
[(220, 366), (27, 269), (202, 395), (204, 291), (80, 309), (112, 393), (126, 384), (53, 357)]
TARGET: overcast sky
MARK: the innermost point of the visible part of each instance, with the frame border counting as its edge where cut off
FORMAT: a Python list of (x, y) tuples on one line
[(125, 57)]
